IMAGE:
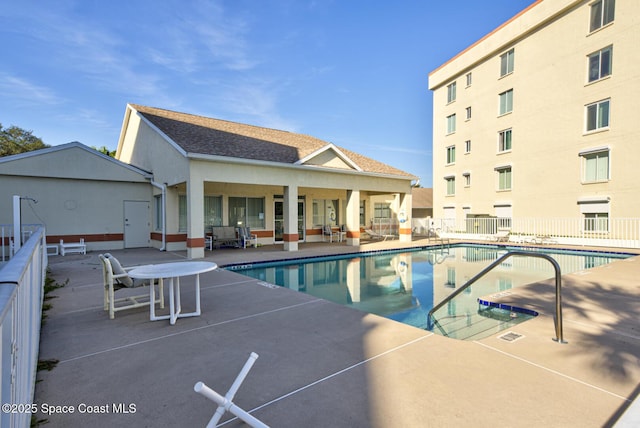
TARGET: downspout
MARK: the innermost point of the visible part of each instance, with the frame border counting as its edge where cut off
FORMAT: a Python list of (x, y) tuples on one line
[(163, 188)]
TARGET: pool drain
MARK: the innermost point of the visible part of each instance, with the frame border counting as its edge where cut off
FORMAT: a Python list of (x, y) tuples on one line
[(510, 337)]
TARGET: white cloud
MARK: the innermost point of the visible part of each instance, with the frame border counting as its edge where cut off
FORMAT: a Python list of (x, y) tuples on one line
[(24, 92)]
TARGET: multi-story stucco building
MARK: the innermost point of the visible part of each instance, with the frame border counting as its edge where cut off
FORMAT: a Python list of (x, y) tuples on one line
[(540, 118)]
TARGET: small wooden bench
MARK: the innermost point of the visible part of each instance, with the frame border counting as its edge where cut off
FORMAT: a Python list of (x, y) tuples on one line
[(74, 247)]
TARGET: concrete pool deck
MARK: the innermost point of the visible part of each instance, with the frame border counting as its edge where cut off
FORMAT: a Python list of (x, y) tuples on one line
[(325, 365)]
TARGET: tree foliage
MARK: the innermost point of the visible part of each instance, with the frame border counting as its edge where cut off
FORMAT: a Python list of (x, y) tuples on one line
[(14, 140), (105, 150)]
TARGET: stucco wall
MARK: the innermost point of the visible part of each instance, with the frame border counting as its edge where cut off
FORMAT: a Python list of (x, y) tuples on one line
[(73, 209), (552, 42)]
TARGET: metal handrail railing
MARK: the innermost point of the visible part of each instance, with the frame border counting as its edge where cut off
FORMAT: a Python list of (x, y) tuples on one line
[(556, 266)]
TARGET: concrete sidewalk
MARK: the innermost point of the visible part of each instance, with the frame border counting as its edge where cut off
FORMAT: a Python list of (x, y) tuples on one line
[(324, 365)]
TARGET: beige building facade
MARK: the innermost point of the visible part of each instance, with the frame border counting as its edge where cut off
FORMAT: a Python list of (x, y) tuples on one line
[(286, 187), (539, 119), (77, 193), (176, 176)]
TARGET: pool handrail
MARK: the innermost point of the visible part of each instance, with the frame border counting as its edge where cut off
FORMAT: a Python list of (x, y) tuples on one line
[(558, 281)]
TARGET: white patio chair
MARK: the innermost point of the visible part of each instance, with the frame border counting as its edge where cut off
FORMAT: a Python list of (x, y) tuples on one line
[(116, 277), (246, 237), (374, 235), (327, 231)]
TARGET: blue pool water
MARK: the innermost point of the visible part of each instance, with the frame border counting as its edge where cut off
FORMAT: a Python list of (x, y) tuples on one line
[(405, 285)]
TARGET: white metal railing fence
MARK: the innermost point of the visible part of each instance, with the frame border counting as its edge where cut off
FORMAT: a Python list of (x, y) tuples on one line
[(607, 232), (21, 292), (7, 247), (420, 226), (385, 226)]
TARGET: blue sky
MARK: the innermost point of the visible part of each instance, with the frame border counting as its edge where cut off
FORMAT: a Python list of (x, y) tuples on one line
[(351, 72)]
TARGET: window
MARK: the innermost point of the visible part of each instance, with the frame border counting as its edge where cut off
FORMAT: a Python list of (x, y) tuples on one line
[(469, 79), (382, 210), (602, 13), (451, 124), (363, 213), (182, 213), (504, 140), (598, 115), (595, 214), (595, 166), (506, 102), (467, 179), (246, 212), (596, 222), (451, 185), (212, 211), (467, 146), (157, 212), (504, 178), (468, 112), (506, 63), (451, 93), (451, 155), (600, 64), (325, 211)]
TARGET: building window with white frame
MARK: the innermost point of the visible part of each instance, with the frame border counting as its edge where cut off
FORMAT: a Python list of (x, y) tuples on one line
[(466, 176), (506, 62), (451, 124), (602, 13), (451, 92), (598, 115), (467, 146), (469, 79), (595, 165), (600, 64), (468, 113), (504, 141), (504, 178), (596, 222), (506, 102), (451, 185), (451, 155)]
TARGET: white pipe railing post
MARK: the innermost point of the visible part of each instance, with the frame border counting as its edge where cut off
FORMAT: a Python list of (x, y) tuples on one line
[(225, 404), (17, 234)]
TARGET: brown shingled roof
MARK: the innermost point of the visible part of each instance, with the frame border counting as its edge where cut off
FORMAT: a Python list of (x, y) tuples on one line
[(422, 197), (208, 136)]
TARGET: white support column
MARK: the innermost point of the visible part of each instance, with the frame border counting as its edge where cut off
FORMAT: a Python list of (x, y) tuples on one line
[(353, 218), (195, 218), (404, 216), (290, 235)]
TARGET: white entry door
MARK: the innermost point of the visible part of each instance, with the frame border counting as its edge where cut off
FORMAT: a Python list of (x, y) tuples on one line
[(137, 225)]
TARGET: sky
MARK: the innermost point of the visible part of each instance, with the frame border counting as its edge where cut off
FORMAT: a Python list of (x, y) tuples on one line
[(350, 72)]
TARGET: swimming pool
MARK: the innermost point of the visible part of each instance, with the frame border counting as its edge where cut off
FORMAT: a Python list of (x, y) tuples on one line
[(405, 285)]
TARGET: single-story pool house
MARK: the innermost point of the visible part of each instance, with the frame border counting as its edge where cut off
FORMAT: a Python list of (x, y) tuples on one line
[(176, 176)]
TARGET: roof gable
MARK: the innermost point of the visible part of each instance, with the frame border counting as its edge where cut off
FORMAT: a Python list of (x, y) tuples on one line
[(73, 160), (199, 135), (329, 156)]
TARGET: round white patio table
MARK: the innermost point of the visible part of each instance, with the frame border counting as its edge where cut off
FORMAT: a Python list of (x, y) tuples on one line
[(173, 271)]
